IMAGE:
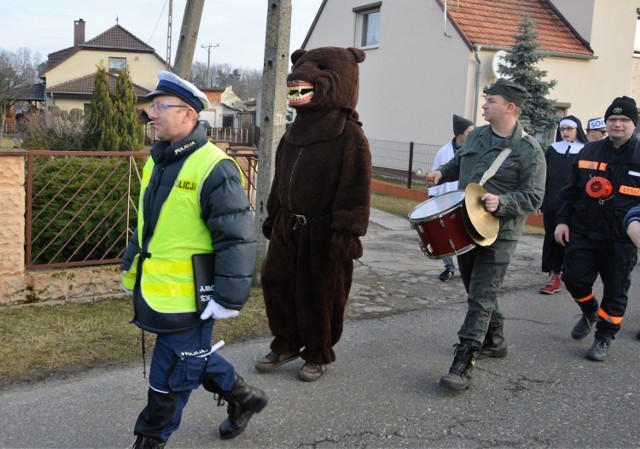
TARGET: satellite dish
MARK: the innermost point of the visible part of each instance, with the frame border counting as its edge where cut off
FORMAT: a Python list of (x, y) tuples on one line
[(498, 58)]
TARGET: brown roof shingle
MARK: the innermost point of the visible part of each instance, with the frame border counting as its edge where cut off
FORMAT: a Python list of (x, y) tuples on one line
[(117, 37), (495, 23), (85, 85)]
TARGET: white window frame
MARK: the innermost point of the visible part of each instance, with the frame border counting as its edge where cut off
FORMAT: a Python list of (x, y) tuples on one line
[(363, 16), (113, 60)]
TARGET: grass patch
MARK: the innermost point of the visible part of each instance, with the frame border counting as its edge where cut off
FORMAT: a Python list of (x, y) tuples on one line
[(392, 204), (9, 141), (39, 341)]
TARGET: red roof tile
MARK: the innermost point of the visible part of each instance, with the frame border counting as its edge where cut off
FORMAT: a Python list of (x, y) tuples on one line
[(495, 23)]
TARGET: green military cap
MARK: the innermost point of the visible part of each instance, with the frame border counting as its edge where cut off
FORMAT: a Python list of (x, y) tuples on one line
[(513, 92)]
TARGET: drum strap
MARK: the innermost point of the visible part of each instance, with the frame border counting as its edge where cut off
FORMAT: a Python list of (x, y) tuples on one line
[(495, 165)]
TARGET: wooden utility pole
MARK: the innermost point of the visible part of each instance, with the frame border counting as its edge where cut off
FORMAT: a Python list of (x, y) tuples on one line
[(273, 110), (188, 37)]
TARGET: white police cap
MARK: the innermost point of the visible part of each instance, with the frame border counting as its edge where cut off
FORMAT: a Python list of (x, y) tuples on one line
[(171, 84), (596, 123)]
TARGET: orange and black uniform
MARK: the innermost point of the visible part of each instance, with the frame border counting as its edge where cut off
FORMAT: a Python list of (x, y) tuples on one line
[(598, 242)]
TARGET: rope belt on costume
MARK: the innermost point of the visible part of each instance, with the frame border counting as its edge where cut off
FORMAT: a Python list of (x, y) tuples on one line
[(304, 220)]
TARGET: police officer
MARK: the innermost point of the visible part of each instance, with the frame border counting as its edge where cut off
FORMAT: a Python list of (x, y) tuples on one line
[(603, 185), (192, 202)]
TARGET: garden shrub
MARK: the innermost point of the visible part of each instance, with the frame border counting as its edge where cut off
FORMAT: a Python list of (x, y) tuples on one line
[(80, 208)]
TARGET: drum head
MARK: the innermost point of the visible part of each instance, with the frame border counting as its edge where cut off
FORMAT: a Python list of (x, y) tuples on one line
[(484, 223), (438, 205)]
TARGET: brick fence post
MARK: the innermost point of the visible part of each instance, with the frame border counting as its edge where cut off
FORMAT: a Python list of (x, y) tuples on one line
[(12, 224)]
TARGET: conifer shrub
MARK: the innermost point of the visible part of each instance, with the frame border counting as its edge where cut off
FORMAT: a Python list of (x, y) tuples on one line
[(82, 209)]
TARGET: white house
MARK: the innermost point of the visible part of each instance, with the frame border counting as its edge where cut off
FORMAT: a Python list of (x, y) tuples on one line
[(429, 59)]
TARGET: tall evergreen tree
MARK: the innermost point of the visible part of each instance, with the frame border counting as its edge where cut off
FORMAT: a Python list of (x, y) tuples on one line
[(100, 116), (129, 132), (538, 113)]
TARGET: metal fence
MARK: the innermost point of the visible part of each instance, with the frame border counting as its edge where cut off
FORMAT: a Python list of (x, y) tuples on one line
[(82, 205), (401, 159)]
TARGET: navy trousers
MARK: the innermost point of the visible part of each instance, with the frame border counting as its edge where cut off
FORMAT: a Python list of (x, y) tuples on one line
[(180, 362)]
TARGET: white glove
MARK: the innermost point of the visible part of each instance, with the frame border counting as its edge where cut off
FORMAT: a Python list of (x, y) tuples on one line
[(218, 312), (126, 290)]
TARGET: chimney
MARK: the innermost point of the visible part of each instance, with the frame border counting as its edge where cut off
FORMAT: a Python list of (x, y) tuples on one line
[(78, 32)]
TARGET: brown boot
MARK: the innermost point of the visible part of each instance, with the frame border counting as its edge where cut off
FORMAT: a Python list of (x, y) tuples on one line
[(273, 360)]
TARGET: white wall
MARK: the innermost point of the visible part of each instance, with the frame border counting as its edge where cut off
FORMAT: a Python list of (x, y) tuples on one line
[(404, 96)]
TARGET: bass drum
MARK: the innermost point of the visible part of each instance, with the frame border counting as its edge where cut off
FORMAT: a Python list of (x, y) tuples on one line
[(441, 227)]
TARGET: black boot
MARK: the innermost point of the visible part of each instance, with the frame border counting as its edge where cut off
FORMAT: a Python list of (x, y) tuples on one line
[(584, 325), (459, 376), (494, 344), (243, 401), (599, 348), (145, 442)]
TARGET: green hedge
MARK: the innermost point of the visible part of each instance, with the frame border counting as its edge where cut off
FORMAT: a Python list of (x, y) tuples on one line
[(80, 208)]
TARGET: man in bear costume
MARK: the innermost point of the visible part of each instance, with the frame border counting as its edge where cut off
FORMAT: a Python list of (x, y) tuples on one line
[(317, 210)]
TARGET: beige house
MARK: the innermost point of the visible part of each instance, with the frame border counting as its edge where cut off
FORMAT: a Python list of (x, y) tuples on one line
[(69, 75), (429, 59)]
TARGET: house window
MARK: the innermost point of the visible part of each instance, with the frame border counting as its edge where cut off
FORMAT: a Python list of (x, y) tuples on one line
[(227, 121), (116, 65), (368, 25)]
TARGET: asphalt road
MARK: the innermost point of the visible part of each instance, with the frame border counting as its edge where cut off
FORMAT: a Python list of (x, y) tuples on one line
[(382, 392)]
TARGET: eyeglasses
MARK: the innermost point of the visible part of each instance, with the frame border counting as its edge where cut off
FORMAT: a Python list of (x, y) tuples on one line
[(162, 106), (566, 129)]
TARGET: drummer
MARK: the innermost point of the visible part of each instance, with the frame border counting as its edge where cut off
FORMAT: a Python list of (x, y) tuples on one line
[(511, 194)]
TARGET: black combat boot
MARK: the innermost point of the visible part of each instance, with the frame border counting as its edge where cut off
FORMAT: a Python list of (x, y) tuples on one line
[(599, 348), (146, 442), (459, 376), (494, 344), (243, 401), (584, 325)]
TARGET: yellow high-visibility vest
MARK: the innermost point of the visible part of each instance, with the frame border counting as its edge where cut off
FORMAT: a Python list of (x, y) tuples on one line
[(166, 283)]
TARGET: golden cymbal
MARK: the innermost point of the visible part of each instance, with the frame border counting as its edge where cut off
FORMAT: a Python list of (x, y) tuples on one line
[(482, 223), (477, 238)]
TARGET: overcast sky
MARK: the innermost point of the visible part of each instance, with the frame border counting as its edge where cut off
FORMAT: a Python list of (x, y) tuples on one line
[(46, 26)]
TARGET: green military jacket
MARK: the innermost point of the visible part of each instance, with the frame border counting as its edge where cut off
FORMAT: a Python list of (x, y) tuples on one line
[(519, 181)]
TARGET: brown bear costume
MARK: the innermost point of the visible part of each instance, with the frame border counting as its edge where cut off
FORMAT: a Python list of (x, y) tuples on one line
[(318, 206)]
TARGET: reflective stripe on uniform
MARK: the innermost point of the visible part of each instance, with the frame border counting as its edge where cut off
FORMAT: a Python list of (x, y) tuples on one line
[(589, 297), (608, 318)]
